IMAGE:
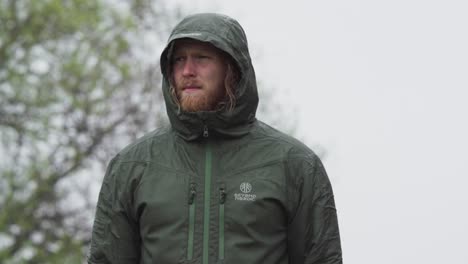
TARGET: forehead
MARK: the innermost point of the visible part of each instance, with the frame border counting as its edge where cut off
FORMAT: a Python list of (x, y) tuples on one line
[(182, 45)]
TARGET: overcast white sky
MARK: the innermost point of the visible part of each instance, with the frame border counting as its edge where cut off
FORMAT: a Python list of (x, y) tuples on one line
[(383, 86)]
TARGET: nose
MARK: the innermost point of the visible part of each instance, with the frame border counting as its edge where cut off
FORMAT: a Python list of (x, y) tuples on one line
[(188, 68)]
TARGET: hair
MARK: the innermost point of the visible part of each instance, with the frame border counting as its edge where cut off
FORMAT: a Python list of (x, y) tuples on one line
[(230, 82)]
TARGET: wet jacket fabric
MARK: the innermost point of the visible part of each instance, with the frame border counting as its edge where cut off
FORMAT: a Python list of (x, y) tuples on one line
[(218, 186)]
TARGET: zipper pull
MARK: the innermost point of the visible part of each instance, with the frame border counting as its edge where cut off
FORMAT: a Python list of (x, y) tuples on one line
[(205, 131), (222, 195), (193, 192)]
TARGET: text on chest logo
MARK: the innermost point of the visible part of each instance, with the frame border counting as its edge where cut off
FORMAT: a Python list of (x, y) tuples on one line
[(246, 188)]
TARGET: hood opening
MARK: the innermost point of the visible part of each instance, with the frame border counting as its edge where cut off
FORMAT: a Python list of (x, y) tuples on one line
[(227, 36)]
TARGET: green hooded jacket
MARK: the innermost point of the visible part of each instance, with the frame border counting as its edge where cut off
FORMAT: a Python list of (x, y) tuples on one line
[(217, 186)]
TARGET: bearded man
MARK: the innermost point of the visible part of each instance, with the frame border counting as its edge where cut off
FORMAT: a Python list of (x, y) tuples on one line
[(218, 185)]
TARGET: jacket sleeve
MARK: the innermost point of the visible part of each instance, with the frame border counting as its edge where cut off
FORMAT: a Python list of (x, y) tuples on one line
[(313, 234), (115, 237)]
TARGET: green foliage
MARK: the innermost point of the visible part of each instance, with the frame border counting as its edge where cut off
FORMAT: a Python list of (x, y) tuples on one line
[(73, 90)]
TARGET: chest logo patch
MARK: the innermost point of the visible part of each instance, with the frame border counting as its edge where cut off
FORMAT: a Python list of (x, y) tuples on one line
[(245, 188)]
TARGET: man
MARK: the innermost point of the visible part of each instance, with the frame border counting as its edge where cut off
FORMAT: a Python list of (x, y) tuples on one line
[(218, 186)]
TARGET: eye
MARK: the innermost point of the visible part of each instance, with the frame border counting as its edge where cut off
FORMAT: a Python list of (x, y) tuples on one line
[(178, 59)]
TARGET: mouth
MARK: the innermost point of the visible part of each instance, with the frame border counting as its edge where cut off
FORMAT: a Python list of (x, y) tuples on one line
[(191, 88)]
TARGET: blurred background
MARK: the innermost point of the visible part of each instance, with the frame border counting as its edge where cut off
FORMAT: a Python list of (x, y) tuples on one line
[(378, 89)]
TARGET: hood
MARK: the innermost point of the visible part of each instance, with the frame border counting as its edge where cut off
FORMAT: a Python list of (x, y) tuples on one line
[(226, 34)]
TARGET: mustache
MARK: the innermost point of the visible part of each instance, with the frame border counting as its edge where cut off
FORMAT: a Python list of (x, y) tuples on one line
[(189, 83)]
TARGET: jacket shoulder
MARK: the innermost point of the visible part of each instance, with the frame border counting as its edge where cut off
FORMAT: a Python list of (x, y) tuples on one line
[(292, 147), (126, 168), (141, 149)]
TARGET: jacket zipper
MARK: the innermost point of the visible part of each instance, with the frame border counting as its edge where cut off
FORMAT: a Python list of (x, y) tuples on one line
[(222, 199), (207, 198), (205, 131), (191, 232)]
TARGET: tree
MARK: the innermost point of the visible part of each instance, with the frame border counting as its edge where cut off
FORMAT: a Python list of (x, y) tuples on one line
[(74, 88)]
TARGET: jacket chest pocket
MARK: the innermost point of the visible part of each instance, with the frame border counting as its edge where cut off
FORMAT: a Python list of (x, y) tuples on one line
[(253, 206), (163, 197), (166, 201)]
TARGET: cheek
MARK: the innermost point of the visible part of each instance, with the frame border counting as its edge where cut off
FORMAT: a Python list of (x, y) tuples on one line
[(218, 77)]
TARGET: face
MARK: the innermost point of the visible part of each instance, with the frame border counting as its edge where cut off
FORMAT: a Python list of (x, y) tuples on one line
[(198, 73)]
